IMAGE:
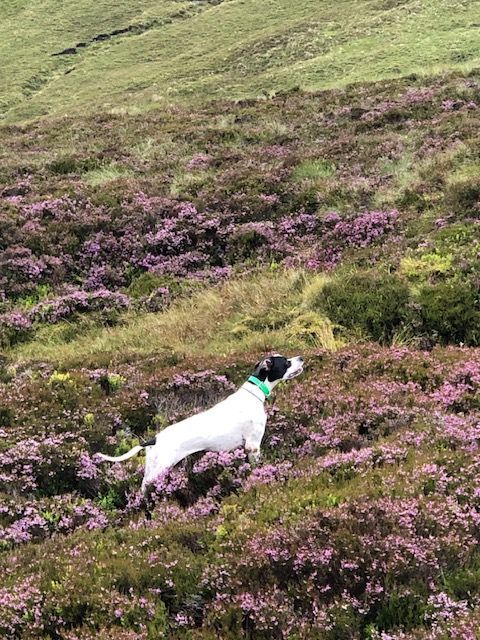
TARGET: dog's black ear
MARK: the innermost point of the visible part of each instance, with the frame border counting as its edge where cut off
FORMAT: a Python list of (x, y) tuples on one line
[(263, 367), (267, 364)]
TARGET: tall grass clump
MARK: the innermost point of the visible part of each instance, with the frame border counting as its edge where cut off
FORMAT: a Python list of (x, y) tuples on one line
[(106, 173)]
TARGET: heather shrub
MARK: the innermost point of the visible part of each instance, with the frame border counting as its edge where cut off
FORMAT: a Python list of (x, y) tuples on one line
[(345, 523), (201, 481), (373, 303), (105, 304), (186, 393), (15, 327), (46, 465), (21, 270), (158, 300)]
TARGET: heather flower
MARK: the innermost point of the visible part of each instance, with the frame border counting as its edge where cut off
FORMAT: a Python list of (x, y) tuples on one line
[(15, 320), (21, 608), (87, 467)]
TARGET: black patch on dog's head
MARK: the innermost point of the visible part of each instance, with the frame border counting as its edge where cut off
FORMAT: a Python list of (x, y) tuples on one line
[(271, 368)]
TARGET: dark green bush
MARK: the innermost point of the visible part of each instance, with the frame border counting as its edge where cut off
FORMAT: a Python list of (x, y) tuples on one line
[(411, 199), (463, 196), (65, 165), (246, 245), (6, 416), (450, 311), (10, 335), (379, 304), (375, 303), (464, 581), (146, 283), (401, 610)]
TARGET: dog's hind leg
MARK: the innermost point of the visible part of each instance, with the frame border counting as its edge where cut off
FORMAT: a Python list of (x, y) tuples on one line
[(155, 465), (148, 469)]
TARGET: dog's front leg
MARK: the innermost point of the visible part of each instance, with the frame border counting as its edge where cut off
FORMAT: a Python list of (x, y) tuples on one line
[(252, 447), (253, 440), (254, 456)]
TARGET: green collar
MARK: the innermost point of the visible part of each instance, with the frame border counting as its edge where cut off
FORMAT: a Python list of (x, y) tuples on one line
[(261, 385)]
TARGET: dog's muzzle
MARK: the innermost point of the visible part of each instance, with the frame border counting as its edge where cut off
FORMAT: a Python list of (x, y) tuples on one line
[(294, 374)]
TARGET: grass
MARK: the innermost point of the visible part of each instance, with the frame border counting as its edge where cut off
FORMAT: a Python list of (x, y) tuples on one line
[(105, 174), (240, 316), (312, 169), (189, 51)]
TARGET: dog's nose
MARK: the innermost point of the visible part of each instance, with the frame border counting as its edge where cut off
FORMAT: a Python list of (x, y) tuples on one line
[(301, 359)]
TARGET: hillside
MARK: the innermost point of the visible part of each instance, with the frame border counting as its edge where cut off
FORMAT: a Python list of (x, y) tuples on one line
[(70, 57), (154, 243), (145, 263)]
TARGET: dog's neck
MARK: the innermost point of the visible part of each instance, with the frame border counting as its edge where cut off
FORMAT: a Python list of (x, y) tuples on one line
[(254, 391)]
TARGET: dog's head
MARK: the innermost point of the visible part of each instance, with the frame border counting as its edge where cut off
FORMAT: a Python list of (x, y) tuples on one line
[(276, 368)]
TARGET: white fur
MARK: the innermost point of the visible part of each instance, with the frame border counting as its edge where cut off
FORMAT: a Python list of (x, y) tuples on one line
[(237, 421)]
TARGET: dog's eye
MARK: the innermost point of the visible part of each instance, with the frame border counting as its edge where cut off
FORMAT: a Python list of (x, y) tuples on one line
[(289, 363)]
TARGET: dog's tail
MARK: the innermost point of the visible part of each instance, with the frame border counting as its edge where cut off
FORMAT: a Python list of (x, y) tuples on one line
[(129, 454)]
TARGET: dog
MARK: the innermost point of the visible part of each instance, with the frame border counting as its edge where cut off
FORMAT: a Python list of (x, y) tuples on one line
[(237, 421)]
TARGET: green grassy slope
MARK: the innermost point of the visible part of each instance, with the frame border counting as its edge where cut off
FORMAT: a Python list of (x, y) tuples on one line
[(181, 50)]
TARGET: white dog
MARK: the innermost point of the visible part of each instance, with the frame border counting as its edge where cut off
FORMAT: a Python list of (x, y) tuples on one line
[(237, 421)]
